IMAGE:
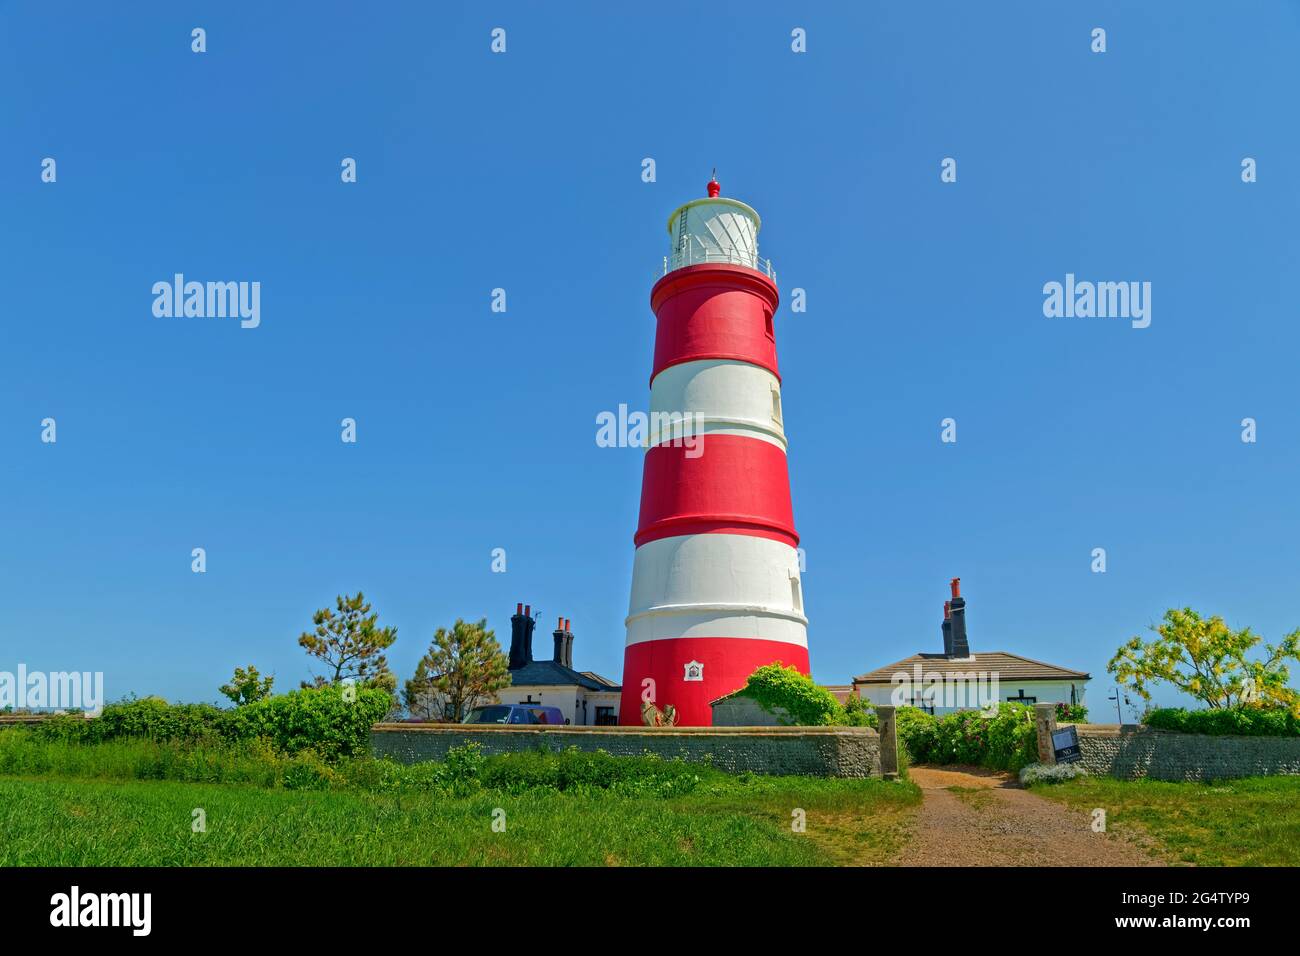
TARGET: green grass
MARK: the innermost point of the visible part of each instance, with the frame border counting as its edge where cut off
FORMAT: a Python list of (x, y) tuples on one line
[(976, 797), (132, 803), (26, 752), (148, 823), (1249, 822)]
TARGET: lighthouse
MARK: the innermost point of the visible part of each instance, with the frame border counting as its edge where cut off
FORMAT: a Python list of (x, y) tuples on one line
[(716, 590)]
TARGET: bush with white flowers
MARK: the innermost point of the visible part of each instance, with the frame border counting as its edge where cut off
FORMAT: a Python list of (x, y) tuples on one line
[(1050, 773)]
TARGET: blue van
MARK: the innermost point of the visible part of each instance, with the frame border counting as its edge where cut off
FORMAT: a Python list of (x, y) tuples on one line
[(515, 714)]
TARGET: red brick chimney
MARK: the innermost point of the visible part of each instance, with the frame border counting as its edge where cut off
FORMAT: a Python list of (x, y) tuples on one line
[(959, 648)]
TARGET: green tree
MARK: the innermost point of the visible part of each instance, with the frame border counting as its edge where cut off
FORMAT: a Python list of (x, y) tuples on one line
[(464, 665), (247, 686), (351, 644), (1206, 659)]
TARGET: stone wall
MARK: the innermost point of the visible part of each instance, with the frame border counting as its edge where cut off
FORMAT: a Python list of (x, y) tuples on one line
[(740, 711), (1132, 751), (811, 751)]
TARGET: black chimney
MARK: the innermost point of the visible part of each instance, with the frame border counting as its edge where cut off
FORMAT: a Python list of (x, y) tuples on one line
[(960, 648), (568, 645), (521, 636), (560, 643), (947, 629)]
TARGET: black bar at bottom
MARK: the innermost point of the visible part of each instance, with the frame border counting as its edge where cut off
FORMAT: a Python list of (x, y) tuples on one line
[(193, 905)]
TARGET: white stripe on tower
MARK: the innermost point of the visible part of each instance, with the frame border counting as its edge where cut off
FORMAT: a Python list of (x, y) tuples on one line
[(723, 396), (717, 585)]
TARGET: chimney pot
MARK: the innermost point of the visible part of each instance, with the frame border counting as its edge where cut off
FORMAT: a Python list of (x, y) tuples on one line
[(960, 645), (559, 641), (521, 639), (529, 624), (947, 609)]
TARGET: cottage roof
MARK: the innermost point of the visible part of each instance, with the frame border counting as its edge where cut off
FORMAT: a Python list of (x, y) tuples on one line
[(1009, 667), (551, 674)]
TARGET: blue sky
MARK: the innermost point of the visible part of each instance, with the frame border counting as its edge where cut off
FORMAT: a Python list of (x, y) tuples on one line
[(476, 430)]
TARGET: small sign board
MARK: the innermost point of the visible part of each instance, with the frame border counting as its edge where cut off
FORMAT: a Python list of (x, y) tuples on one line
[(1065, 742)]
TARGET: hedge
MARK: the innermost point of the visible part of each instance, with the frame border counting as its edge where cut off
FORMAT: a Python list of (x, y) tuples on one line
[(1007, 741), (317, 719), (1239, 721)]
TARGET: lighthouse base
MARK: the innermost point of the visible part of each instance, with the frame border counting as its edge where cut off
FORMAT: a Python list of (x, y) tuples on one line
[(725, 666)]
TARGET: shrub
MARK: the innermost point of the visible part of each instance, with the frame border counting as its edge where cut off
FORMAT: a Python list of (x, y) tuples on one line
[(1006, 741), (317, 719), (1239, 721), (807, 704), (463, 767), (859, 713), (307, 771), (1050, 773), (1071, 713), (916, 732)]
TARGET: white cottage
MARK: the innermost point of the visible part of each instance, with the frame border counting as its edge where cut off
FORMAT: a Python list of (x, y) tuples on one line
[(959, 679), (584, 697)]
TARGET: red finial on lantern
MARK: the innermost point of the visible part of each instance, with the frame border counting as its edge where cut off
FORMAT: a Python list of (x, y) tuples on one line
[(714, 187)]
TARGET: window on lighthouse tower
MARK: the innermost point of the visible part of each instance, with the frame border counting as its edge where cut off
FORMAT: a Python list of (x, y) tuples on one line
[(767, 325), (776, 405), (795, 597)]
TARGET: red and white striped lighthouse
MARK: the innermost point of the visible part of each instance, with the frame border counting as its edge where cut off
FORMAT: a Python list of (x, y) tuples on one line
[(715, 584)]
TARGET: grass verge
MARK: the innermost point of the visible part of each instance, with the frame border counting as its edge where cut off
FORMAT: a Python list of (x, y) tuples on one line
[(134, 803), (1248, 822)]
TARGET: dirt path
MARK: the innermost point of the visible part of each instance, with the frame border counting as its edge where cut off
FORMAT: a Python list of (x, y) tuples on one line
[(974, 817)]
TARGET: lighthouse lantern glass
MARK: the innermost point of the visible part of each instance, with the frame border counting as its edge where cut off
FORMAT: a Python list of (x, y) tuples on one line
[(714, 230)]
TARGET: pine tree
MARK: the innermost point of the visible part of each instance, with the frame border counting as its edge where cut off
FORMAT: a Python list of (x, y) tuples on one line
[(351, 644), (464, 667)]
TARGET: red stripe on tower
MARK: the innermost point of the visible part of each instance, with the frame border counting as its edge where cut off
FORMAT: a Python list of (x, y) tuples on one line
[(716, 590), (706, 311), (730, 483)]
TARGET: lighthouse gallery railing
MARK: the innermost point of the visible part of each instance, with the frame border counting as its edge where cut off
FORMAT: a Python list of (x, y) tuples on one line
[(695, 253)]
